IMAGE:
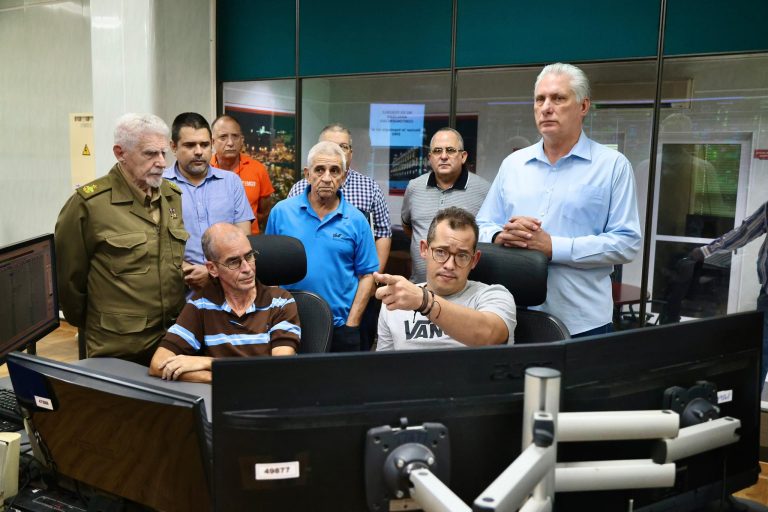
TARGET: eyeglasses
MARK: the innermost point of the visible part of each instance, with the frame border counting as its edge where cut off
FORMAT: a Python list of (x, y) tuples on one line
[(449, 150), (345, 146), (236, 263), (462, 259), (335, 172)]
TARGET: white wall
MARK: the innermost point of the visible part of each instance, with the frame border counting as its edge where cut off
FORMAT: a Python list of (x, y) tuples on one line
[(148, 55), (46, 61)]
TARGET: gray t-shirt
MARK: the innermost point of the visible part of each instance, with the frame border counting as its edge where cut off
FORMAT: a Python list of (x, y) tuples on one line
[(401, 330)]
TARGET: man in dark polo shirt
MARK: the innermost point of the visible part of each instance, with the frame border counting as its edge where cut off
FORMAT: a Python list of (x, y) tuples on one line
[(233, 315)]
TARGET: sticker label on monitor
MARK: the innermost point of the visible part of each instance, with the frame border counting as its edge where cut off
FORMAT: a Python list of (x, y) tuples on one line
[(725, 396), (277, 470), (45, 403)]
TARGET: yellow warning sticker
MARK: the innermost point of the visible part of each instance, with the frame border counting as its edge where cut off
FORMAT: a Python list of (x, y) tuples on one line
[(86, 151)]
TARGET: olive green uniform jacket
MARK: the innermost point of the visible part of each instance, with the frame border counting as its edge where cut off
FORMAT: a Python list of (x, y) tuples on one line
[(119, 272)]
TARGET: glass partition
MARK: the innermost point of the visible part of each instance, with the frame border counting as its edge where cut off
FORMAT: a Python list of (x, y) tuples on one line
[(266, 111), (711, 175), (391, 118)]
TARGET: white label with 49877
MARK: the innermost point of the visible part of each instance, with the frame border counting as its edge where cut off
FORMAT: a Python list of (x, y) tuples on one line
[(277, 470)]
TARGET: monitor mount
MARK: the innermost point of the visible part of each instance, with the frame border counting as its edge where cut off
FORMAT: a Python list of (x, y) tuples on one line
[(413, 462)]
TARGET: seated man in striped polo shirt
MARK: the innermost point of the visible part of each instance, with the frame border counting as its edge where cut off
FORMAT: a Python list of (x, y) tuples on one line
[(233, 315)]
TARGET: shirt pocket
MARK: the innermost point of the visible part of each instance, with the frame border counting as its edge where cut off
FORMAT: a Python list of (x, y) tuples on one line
[(128, 253), (123, 324), (585, 206), (179, 239)]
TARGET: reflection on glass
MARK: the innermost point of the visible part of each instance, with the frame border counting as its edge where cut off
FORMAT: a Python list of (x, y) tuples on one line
[(391, 119), (266, 113), (683, 288), (698, 185)]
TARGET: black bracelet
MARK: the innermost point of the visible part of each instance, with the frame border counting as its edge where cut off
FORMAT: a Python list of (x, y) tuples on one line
[(493, 238), (424, 300), (427, 311)]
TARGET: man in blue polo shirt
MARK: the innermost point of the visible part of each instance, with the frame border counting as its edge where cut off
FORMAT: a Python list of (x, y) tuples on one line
[(209, 195), (341, 255)]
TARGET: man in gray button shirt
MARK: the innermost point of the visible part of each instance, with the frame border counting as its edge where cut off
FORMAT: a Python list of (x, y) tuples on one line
[(449, 184)]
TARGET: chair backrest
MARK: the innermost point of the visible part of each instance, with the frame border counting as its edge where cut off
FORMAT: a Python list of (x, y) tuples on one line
[(521, 271), (316, 322), (538, 327), (524, 273), (282, 260)]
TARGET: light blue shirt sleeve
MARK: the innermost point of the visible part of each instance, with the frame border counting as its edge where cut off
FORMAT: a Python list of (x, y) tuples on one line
[(242, 209)]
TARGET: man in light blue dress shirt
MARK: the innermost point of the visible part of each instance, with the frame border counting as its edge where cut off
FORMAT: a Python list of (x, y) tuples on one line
[(570, 198), (209, 195)]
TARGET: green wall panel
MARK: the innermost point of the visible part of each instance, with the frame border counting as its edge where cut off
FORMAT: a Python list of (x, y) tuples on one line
[(715, 26), (255, 39), (354, 36), (508, 32)]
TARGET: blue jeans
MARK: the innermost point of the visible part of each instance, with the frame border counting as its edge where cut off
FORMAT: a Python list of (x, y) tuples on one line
[(605, 329)]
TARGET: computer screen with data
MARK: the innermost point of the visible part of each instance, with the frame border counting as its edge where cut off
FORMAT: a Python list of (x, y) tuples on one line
[(29, 307)]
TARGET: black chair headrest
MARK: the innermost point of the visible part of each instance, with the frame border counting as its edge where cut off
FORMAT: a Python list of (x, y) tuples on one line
[(281, 260), (522, 271)]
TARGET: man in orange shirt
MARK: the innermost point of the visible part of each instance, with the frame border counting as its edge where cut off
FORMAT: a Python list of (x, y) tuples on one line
[(227, 144)]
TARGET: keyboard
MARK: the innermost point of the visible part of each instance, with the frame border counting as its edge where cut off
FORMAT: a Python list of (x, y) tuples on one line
[(10, 415)]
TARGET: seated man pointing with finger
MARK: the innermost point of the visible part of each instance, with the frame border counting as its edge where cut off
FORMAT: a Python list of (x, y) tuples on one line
[(448, 310)]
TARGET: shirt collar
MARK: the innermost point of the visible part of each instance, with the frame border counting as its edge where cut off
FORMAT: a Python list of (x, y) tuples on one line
[(580, 150), (461, 182), (137, 193), (213, 173), (307, 206)]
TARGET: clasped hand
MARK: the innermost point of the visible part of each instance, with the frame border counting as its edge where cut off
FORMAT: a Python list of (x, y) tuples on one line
[(175, 366), (525, 232)]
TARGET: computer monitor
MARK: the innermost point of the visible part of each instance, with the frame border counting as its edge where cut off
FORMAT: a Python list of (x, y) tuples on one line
[(632, 369), (315, 410), (290, 433), (29, 308), (133, 440)]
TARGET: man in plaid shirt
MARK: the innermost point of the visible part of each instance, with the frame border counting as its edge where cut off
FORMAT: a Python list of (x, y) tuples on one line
[(365, 195)]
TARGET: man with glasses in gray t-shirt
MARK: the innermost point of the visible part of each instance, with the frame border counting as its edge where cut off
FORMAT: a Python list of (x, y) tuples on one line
[(448, 310)]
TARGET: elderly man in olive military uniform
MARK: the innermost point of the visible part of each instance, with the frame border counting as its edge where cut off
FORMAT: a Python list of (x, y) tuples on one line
[(119, 248)]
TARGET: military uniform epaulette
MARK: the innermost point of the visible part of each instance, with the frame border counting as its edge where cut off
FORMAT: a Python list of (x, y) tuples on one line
[(173, 186), (94, 188)]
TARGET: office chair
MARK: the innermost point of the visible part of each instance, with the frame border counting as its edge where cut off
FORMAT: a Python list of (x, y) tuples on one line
[(524, 273), (282, 260), (316, 322)]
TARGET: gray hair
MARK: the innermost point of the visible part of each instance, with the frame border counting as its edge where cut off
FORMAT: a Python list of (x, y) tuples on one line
[(335, 127), (326, 148), (578, 80), (131, 127), (447, 129)]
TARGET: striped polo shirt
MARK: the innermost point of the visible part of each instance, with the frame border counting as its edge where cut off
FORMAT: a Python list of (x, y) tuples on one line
[(207, 326), (423, 199)]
